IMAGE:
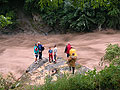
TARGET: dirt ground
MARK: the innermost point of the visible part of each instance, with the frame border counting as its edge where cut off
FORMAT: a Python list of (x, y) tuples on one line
[(16, 51)]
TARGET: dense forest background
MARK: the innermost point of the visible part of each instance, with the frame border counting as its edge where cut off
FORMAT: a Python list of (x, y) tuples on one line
[(64, 15)]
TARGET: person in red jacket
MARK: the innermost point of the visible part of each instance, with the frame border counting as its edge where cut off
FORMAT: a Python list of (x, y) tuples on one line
[(50, 54), (67, 49)]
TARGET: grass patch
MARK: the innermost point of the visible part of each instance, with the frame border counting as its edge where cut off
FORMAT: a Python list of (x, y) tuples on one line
[(78, 66)]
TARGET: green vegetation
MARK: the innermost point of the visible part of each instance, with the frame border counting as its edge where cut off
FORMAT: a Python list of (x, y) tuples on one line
[(4, 21), (8, 10), (8, 82), (113, 54), (68, 15), (77, 15)]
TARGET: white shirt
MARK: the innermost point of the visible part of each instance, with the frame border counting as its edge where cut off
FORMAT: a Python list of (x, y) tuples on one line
[(55, 50)]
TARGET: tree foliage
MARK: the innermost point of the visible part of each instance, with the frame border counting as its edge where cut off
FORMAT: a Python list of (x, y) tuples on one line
[(8, 12), (79, 15), (4, 21), (72, 15)]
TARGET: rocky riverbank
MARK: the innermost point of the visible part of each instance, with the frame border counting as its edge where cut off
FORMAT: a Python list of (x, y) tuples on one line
[(38, 73)]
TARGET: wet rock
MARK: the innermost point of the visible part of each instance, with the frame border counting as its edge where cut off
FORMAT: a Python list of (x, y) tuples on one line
[(35, 66), (82, 70), (51, 72), (64, 68)]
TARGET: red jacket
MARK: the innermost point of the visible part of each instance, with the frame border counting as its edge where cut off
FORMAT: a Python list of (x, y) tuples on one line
[(68, 48)]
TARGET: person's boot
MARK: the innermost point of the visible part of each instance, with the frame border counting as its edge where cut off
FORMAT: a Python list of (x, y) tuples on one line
[(54, 62), (49, 61), (69, 68), (73, 70), (35, 59)]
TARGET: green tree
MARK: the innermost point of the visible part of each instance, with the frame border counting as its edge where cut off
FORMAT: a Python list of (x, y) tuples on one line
[(4, 21)]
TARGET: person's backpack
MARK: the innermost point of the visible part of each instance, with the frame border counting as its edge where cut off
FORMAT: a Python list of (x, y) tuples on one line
[(43, 48), (39, 47)]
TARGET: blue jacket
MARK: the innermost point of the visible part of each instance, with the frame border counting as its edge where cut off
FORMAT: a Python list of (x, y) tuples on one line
[(50, 51), (40, 47)]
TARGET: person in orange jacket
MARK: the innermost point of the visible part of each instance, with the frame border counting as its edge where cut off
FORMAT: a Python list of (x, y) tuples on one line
[(71, 62)]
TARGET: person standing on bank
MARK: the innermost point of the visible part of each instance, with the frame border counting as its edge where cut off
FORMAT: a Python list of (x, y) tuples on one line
[(50, 51), (71, 62), (40, 48), (36, 51), (55, 53), (72, 50), (67, 49)]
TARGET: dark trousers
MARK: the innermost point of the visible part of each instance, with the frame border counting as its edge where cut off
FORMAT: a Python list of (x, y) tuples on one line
[(55, 57), (68, 55), (40, 55), (73, 69)]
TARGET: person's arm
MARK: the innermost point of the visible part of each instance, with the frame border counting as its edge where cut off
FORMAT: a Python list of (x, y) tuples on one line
[(38, 47), (34, 49), (65, 49), (75, 58), (38, 51)]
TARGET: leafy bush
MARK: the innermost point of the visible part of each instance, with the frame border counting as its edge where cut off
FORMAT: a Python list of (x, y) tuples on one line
[(7, 82), (9, 8), (4, 21), (11, 14), (112, 54), (108, 79)]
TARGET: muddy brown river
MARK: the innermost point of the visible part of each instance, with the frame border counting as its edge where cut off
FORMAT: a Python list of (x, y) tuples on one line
[(16, 51)]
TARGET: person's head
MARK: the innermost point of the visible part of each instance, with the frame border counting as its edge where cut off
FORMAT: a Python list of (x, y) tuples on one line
[(50, 48), (38, 42), (54, 46), (35, 44), (73, 54), (68, 43)]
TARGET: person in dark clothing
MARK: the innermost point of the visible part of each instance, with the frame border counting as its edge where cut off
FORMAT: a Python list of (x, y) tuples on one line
[(40, 48)]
